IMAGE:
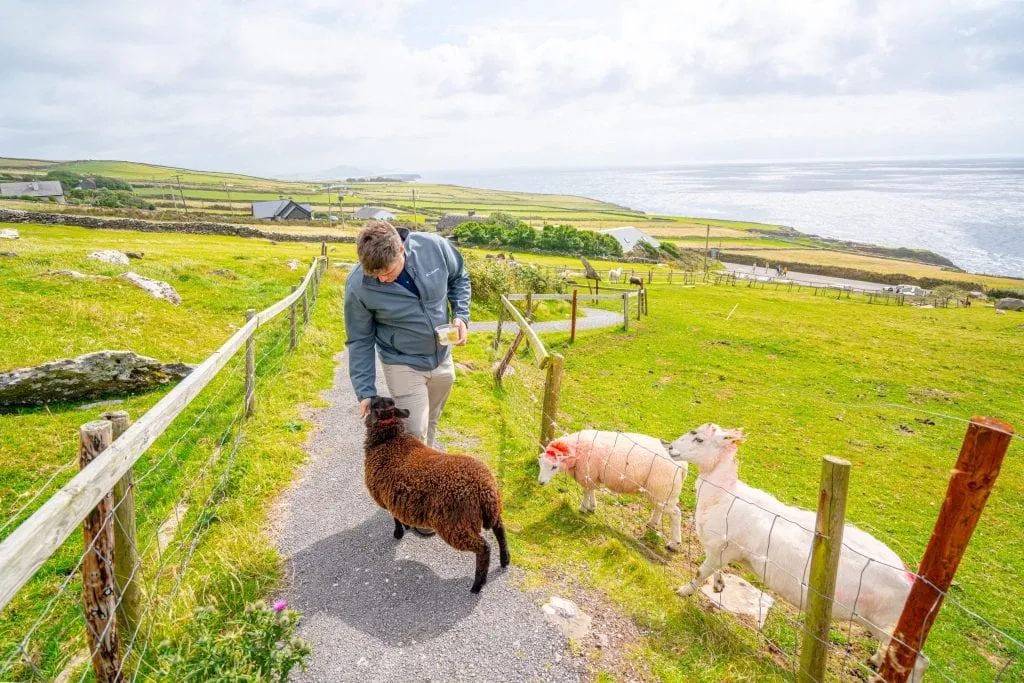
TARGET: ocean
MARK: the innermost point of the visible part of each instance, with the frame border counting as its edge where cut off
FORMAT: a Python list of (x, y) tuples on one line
[(968, 210)]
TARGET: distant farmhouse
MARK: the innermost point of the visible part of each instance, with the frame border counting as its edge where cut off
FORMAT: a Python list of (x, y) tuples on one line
[(33, 188), (450, 221), (87, 184), (282, 209), (629, 238), (374, 214)]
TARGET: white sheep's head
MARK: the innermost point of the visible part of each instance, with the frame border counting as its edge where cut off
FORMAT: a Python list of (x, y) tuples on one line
[(557, 457), (707, 444)]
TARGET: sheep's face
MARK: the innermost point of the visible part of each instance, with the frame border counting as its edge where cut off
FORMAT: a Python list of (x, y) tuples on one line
[(555, 458), (548, 468), (383, 411), (705, 444)]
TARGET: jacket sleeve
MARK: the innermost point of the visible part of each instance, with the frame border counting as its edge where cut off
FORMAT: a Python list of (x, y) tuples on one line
[(360, 333), (458, 281)]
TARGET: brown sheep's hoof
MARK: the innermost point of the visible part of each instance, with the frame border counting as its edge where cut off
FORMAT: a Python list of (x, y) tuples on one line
[(399, 530)]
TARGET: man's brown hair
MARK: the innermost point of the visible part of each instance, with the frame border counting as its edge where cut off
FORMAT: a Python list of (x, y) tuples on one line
[(378, 246)]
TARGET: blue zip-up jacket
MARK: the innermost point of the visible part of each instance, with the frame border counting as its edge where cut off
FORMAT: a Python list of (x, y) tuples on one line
[(397, 322)]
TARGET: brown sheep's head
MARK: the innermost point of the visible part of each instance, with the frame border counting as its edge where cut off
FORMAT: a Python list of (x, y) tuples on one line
[(384, 412)]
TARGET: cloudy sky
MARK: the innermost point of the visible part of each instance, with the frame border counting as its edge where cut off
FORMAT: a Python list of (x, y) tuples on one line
[(283, 87)]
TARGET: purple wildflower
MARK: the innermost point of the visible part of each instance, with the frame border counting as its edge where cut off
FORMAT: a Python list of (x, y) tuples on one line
[(280, 605)]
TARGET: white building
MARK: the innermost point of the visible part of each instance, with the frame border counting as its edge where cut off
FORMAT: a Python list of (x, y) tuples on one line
[(629, 237)]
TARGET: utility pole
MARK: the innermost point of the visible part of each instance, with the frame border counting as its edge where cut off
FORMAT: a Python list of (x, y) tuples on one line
[(707, 237), (182, 195), (414, 203)]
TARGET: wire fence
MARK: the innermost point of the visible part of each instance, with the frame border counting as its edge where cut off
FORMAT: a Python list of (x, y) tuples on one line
[(976, 636), (51, 629)]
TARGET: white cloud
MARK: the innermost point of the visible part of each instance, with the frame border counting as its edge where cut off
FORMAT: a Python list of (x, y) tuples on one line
[(266, 88)]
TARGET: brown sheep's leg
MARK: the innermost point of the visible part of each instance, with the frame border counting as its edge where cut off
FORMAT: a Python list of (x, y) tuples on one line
[(399, 529), (470, 541), (499, 533)]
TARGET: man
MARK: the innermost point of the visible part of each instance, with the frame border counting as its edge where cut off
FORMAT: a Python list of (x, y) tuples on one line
[(400, 291)]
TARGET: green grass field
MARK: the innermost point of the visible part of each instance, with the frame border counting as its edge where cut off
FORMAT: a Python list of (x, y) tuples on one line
[(885, 387), (888, 388), (50, 317)]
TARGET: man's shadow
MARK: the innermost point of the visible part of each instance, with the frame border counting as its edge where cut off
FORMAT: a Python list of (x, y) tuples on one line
[(355, 577)]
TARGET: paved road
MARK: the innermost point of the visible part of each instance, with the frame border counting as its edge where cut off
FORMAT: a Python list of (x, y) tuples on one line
[(377, 609), (805, 278), (595, 318)]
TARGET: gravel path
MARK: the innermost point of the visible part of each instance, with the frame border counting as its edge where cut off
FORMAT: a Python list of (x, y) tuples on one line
[(377, 609), (595, 318)]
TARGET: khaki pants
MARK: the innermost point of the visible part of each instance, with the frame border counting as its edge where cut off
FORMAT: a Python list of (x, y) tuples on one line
[(423, 393)]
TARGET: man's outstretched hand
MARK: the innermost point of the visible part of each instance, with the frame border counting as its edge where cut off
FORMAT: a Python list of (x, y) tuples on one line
[(364, 407)]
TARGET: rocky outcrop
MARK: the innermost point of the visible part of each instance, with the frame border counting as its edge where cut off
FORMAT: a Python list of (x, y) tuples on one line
[(104, 223), (111, 256), (92, 376), (75, 274), (9, 234), (156, 288), (9, 254), (224, 273), (134, 254), (293, 264), (1010, 304)]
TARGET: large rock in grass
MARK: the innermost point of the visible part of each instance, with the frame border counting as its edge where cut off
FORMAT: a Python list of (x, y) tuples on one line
[(9, 234), (75, 274), (92, 376), (1010, 304), (156, 288), (111, 256)]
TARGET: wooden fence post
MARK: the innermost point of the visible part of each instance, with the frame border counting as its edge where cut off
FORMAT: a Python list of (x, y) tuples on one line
[(552, 392), (98, 592), (497, 331), (291, 321), (500, 372), (625, 311), (825, 549), (973, 476), (572, 326), (250, 367), (126, 552), (305, 305), (639, 303)]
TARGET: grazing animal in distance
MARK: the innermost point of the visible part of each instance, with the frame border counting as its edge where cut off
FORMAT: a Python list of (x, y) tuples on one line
[(615, 275), (455, 495), (636, 281)]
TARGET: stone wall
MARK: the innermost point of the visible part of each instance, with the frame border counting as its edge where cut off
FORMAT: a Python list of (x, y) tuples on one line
[(191, 228)]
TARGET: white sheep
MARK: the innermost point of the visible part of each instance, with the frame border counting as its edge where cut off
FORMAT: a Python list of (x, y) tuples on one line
[(624, 463), (738, 523), (615, 275)]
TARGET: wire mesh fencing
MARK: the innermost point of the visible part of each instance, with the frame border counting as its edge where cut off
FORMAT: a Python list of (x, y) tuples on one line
[(978, 633)]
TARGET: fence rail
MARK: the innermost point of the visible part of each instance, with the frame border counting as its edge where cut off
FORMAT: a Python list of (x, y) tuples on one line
[(35, 540)]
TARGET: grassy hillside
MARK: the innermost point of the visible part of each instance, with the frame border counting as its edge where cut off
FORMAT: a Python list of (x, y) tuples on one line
[(885, 387)]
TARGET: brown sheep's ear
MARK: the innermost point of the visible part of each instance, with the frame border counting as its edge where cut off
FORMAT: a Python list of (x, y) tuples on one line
[(401, 412)]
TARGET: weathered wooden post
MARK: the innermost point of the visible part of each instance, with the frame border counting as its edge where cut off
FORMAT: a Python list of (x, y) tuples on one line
[(126, 552), (98, 592), (500, 371), (250, 367), (825, 549), (973, 476), (625, 311), (291, 322), (552, 392), (650, 276), (497, 331), (305, 305), (639, 303), (572, 326)]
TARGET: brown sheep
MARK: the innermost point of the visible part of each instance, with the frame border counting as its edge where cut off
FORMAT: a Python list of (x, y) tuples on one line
[(636, 281), (455, 495)]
